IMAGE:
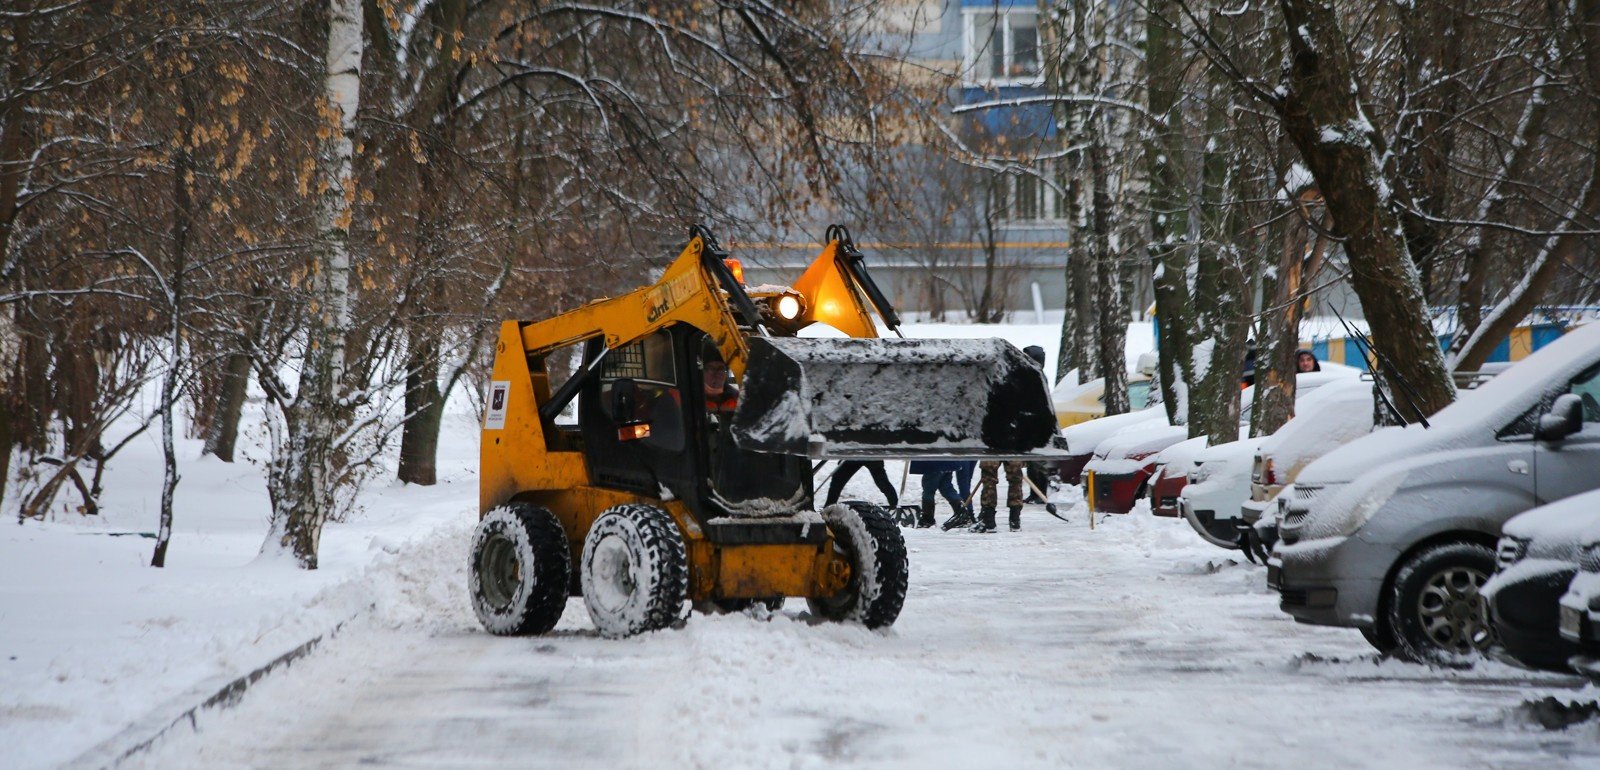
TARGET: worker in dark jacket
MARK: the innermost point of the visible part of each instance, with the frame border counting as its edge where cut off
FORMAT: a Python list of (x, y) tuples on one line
[(990, 480), (939, 476), (848, 468)]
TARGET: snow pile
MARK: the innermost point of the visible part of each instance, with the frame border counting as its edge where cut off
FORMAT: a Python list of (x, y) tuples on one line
[(91, 638)]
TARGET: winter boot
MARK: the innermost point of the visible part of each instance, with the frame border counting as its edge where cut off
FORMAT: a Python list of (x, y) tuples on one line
[(985, 521), (960, 518), (1016, 518), (925, 516)]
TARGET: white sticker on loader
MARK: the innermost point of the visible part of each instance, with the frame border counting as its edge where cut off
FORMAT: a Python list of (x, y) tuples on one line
[(499, 392)]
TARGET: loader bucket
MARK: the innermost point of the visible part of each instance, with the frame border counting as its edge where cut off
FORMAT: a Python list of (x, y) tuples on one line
[(889, 398)]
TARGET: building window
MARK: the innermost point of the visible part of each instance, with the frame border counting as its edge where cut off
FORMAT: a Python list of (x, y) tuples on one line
[(1029, 197), (1002, 46)]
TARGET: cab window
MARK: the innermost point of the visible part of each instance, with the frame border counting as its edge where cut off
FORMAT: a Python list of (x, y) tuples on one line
[(650, 365)]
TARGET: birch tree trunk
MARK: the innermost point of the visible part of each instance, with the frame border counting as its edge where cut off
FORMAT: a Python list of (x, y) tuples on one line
[(182, 221), (1112, 316), (304, 473)]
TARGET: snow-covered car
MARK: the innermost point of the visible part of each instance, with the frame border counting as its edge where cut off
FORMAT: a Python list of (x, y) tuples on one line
[(1077, 402), (1080, 403), (1123, 464), (1083, 438), (1536, 560), (1334, 415), (1579, 608), (1394, 533), (1172, 475), (1337, 414), (1218, 483)]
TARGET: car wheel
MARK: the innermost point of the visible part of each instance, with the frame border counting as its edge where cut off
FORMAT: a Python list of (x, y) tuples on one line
[(1380, 636), (1435, 607)]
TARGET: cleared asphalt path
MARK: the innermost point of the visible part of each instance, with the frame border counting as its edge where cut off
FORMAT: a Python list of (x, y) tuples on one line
[(1133, 645)]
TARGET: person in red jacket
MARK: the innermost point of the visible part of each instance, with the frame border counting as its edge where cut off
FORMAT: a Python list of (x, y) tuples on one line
[(721, 396)]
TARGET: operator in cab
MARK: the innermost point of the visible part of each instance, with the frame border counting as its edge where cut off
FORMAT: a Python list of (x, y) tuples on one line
[(721, 395)]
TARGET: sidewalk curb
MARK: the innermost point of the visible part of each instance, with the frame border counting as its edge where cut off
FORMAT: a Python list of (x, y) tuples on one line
[(218, 693)]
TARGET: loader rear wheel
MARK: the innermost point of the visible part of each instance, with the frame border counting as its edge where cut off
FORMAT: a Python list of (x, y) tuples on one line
[(868, 537), (518, 575), (635, 570)]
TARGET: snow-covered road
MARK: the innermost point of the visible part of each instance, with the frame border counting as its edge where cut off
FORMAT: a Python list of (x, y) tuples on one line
[(1128, 646)]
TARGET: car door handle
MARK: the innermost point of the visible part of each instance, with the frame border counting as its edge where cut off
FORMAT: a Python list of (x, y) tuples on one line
[(1519, 467)]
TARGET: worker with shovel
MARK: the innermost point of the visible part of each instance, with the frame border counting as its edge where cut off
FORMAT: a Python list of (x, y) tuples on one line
[(989, 481)]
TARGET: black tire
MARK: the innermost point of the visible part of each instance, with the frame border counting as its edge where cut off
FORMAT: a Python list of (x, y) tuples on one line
[(635, 571), (519, 570), (1381, 635), (1434, 606), (879, 572), (904, 515)]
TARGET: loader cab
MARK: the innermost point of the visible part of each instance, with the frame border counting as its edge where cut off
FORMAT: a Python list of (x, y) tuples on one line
[(651, 423)]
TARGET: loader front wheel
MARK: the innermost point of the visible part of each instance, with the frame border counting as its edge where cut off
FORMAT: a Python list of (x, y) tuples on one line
[(868, 537), (635, 570), (518, 575)]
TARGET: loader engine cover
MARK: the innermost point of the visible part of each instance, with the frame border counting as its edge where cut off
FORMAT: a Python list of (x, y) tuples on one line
[(822, 397)]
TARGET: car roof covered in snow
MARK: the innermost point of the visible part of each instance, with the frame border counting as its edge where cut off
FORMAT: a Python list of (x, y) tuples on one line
[(1474, 417), (1142, 438), (1085, 436), (1183, 452), (1323, 421)]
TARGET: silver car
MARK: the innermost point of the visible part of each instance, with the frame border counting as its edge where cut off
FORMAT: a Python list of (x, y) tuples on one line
[(1394, 533)]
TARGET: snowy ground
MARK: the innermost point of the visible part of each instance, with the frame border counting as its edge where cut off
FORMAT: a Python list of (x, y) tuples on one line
[(1133, 645), (1126, 646), (91, 638)]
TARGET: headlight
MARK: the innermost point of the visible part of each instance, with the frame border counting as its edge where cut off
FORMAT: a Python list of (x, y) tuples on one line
[(788, 307), (1510, 551)]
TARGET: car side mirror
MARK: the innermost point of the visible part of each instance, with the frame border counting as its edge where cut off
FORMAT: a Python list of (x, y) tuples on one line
[(1564, 418)]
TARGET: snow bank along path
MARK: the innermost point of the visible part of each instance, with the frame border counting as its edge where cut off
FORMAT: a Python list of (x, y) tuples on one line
[(1130, 646)]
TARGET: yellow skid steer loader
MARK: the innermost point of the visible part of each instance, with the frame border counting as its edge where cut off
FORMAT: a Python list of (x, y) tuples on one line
[(655, 448)]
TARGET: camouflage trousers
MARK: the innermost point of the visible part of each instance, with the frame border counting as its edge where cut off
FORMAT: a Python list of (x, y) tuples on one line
[(989, 482)]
